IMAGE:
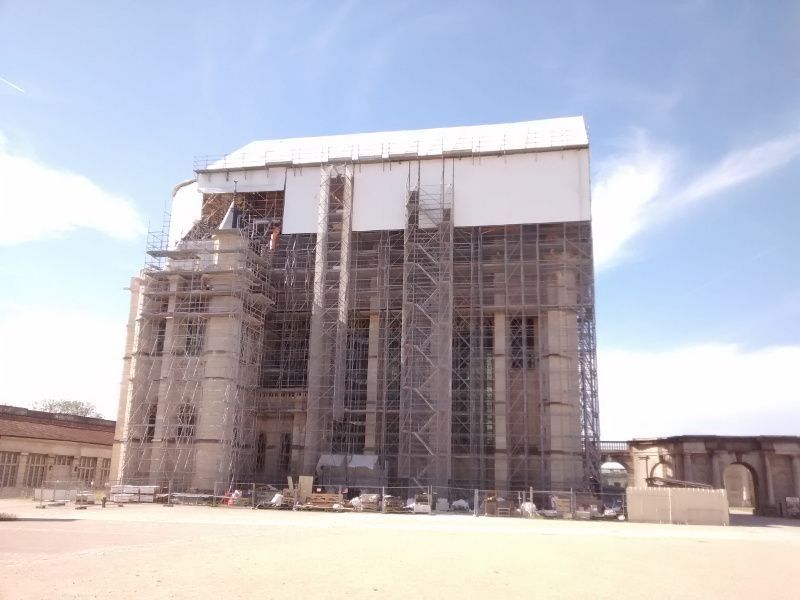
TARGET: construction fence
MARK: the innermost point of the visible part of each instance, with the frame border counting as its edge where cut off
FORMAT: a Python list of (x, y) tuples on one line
[(301, 494), (650, 505), (687, 506)]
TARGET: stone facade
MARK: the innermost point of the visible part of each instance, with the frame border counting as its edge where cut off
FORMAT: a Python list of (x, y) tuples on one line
[(772, 462), (39, 448)]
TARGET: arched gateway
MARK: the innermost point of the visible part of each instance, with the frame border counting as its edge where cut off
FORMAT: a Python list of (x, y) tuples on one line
[(740, 481), (759, 473)]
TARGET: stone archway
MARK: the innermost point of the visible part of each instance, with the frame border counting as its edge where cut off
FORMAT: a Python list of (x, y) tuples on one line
[(615, 476), (772, 463), (664, 469), (741, 485)]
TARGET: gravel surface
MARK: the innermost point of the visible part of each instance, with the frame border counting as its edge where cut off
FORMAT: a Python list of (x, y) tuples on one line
[(150, 551)]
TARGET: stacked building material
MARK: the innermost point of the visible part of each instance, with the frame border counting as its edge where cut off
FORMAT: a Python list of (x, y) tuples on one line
[(394, 504), (422, 503), (369, 502), (122, 494)]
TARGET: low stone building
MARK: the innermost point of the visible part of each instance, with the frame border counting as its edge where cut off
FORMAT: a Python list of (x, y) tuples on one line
[(40, 448), (761, 473)]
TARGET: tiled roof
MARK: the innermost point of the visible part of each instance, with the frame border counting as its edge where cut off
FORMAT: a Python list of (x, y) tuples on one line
[(44, 426)]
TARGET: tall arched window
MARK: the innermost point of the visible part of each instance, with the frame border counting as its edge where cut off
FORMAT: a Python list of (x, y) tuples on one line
[(261, 452), (185, 423), (150, 432)]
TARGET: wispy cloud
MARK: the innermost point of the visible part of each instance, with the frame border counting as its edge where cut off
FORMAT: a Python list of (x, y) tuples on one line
[(12, 85), (708, 388), (43, 202), (633, 190), (333, 23), (368, 77), (741, 166), (589, 82), (625, 191)]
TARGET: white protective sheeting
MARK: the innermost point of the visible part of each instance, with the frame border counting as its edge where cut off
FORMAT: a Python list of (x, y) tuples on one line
[(301, 204), (529, 172), (567, 132), (430, 174), (268, 179), (542, 187), (460, 504), (379, 196), (366, 461), (537, 187), (330, 460), (186, 207), (227, 220), (354, 461)]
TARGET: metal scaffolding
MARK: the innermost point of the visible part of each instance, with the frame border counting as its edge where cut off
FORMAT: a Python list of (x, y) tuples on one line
[(432, 355), (426, 363), (191, 409), (328, 428)]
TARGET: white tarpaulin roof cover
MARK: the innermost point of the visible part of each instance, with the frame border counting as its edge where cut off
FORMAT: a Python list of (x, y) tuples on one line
[(567, 132), (354, 461)]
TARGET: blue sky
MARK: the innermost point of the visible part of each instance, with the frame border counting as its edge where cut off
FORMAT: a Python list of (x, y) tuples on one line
[(693, 110)]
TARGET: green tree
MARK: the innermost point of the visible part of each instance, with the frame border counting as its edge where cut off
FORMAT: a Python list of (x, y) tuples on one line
[(68, 407)]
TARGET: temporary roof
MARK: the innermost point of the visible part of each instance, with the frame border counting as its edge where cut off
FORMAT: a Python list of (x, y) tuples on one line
[(548, 134)]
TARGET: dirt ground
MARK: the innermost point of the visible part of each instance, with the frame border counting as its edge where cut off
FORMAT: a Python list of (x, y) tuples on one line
[(226, 553)]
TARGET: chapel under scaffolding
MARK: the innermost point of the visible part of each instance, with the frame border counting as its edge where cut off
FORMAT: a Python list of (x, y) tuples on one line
[(426, 354)]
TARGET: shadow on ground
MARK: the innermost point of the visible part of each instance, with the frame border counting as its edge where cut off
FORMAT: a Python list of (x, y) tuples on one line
[(756, 521), (44, 519)]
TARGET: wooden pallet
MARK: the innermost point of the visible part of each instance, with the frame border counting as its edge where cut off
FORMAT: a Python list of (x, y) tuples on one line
[(323, 501)]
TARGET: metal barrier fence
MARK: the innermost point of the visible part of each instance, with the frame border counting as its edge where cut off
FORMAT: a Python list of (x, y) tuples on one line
[(414, 500), (303, 495), (76, 491)]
